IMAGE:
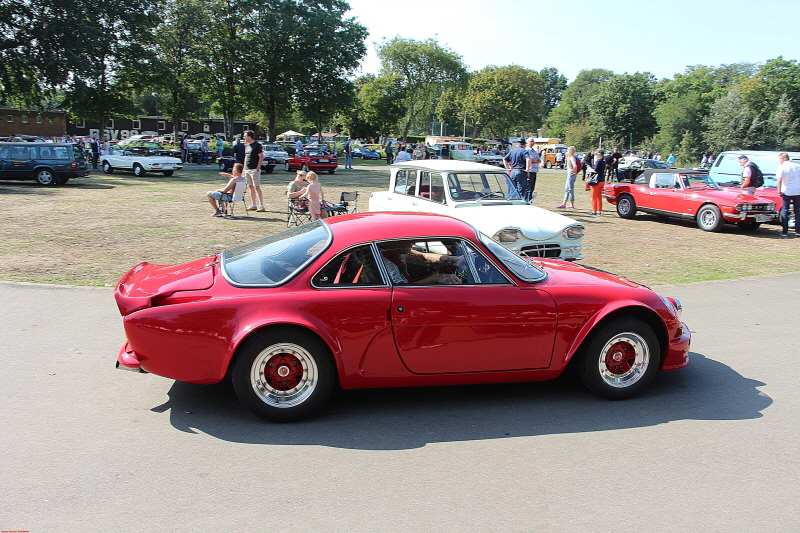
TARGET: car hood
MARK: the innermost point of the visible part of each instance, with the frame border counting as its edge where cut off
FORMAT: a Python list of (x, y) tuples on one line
[(534, 222), (573, 274), (145, 282)]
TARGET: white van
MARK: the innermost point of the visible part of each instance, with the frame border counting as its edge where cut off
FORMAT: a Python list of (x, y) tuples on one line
[(727, 171)]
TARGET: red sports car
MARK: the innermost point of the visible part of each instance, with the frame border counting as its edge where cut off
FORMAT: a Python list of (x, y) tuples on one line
[(688, 194), (390, 300), (316, 160)]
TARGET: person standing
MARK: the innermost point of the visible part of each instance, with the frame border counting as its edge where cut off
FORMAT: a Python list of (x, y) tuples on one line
[(105, 148), (204, 151), (586, 163), (788, 176), (94, 144), (298, 146), (532, 160), (516, 162), (751, 176), (253, 159), (348, 154), (596, 182), (238, 151), (389, 154), (616, 157), (572, 174), (671, 160), (185, 149), (220, 146)]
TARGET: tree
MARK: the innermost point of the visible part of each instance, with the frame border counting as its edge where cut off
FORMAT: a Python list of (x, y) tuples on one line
[(574, 105), (731, 125), (426, 69), (322, 98), (554, 84), (624, 106), (381, 102)]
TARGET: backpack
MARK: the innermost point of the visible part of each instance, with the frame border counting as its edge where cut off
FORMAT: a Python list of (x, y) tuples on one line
[(577, 164), (756, 177)]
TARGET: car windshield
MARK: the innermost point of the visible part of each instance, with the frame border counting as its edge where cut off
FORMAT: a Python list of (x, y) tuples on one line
[(697, 181), (465, 187), (274, 259), (315, 152), (658, 164), (522, 267)]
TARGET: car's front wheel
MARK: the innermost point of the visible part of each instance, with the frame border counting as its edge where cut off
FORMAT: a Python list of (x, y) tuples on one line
[(284, 375), (222, 166), (138, 170), (709, 218), (620, 359), (626, 206), (287, 167), (107, 168), (269, 169), (169, 172), (548, 165), (45, 177)]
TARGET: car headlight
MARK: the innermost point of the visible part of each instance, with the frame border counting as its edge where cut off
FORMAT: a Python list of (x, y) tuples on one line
[(573, 232), (507, 235), (672, 303)]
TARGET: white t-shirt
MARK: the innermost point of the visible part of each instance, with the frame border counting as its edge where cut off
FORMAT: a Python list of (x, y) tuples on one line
[(402, 156), (789, 174)]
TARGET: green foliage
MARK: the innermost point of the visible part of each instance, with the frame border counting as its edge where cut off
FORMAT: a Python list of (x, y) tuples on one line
[(381, 102), (623, 106), (574, 105), (581, 136)]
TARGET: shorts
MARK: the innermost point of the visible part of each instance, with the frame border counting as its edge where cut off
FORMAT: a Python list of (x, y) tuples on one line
[(221, 196), (253, 177)]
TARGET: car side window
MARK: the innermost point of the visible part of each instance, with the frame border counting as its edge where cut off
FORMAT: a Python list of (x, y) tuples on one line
[(401, 182), (19, 153), (664, 181), (485, 271), (431, 187), (353, 267), (4, 152)]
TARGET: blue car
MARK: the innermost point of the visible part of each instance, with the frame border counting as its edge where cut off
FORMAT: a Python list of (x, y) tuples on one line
[(226, 163), (365, 153)]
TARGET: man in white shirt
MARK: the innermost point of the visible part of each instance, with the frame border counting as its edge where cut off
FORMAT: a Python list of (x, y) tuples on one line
[(788, 176), (402, 155)]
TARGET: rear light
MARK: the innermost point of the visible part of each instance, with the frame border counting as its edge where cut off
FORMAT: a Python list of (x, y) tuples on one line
[(74, 165)]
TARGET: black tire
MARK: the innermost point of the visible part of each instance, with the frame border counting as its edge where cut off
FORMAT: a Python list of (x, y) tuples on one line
[(749, 226), (626, 206), (169, 172), (331, 171), (269, 169), (305, 167), (284, 375), (138, 170), (709, 218), (548, 165), (620, 359), (222, 166), (46, 177), (287, 167), (107, 168), (61, 180)]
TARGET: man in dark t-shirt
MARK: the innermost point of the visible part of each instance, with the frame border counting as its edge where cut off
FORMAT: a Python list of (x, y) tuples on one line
[(253, 159)]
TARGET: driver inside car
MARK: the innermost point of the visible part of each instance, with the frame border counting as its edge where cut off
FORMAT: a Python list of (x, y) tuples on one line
[(397, 255)]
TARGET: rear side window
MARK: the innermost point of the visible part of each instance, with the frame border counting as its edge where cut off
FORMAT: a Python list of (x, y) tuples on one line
[(353, 267), (19, 153), (4, 152)]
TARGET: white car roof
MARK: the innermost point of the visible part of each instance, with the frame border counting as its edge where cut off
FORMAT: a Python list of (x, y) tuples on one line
[(447, 165)]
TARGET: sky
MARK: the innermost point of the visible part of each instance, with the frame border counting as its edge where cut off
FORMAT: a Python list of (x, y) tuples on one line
[(657, 36)]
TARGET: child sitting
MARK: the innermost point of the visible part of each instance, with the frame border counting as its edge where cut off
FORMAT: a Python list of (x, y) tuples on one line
[(225, 194), (315, 196)]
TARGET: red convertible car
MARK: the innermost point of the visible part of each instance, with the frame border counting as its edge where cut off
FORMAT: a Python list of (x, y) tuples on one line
[(390, 300), (310, 159), (688, 194)]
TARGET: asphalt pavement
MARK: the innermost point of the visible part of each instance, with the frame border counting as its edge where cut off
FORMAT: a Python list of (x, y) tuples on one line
[(712, 447)]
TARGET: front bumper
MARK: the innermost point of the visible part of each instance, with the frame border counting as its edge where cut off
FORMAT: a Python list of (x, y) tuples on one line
[(750, 217), (678, 350), (127, 360)]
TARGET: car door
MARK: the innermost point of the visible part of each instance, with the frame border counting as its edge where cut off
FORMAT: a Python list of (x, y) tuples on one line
[(5, 154), (487, 323), (429, 196), (403, 196), (20, 163), (665, 193)]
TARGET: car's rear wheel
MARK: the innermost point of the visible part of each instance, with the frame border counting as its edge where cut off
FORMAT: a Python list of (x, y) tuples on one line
[(45, 177), (284, 375), (287, 167), (305, 167), (222, 166), (620, 359), (138, 170), (169, 172), (626, 206), (107, 168), (709, 218)]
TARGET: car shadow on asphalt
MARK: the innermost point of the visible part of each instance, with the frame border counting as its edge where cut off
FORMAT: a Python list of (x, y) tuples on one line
[(395, 419)]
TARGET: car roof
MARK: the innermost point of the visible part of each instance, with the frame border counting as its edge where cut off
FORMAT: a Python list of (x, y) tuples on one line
[(687, 171), (380, 225), (444, 165)]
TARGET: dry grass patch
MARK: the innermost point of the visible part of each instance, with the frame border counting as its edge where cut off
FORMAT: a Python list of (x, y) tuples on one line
[(90, 231)]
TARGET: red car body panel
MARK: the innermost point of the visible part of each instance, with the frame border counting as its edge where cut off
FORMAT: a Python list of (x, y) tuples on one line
[(325, 162), (179, 328)]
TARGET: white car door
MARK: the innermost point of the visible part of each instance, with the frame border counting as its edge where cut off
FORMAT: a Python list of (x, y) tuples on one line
[(403, 197)]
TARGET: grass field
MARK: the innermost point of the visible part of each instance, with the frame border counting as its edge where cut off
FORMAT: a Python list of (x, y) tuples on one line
[(91, 230)]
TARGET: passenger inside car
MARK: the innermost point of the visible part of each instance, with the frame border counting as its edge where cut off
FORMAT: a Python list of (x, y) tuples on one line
[(406, 265)]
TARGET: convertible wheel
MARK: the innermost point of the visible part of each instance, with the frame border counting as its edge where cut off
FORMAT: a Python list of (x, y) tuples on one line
[(107, 168), (269, 169), (626, 206), (222, 166), (287, 167), (621, 359), (709, 218), (138, 170), (305, 167), (46, 177), (283, 376)]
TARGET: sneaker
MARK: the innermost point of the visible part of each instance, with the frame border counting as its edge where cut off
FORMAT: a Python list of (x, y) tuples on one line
[(218, 214), (592, 214), (570, 207), (261, 209), (562, 206), (252, 208), (784, 234)]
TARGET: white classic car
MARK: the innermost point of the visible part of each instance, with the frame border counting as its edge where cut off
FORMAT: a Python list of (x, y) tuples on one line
[(275, 152), (483, 196), (140, 160)]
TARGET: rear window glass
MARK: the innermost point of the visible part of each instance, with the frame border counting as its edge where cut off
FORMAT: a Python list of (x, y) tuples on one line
[(274, 259)]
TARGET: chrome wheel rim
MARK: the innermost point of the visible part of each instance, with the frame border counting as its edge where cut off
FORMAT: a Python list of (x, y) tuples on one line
[(624, 206), (284, 375), (624, 360), (45, 177), (708, 218)]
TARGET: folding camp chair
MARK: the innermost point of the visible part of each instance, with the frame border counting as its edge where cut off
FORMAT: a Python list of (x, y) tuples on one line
[(349, 200), (298, 212), (236, 197)]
